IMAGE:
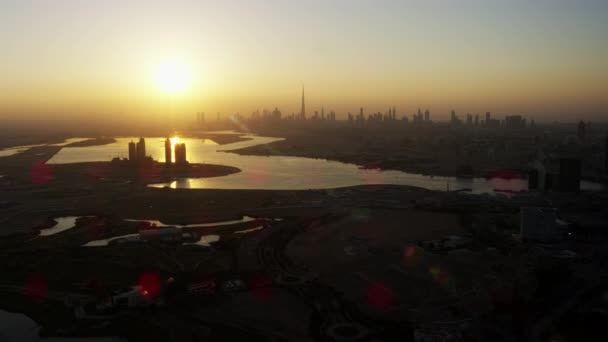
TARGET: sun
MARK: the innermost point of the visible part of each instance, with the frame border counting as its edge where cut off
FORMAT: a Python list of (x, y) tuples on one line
[(174, 140), (173, 77)]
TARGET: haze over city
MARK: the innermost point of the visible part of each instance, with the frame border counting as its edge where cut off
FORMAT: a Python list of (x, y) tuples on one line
[(75, 59)]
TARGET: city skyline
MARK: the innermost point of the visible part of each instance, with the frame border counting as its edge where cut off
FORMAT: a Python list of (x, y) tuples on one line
[(65, 59)]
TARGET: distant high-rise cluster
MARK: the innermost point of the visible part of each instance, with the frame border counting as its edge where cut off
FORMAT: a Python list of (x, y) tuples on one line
[(137, 152), (321, 116), (420, 118), (491, 123), (515, 121)]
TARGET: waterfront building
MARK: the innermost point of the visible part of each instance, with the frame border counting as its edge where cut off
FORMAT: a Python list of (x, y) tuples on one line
[(168, 158), (141, 150), (132, 152), (180, 154)]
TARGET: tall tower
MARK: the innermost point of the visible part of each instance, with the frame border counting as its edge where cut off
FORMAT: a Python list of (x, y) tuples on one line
[(303, 112), (141, 150), (132, 152), (167, 151), (180, 154)]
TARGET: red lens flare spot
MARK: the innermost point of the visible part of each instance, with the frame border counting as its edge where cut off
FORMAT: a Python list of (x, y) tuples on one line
[(41, 173), (36, 288), (380, 297), (411, 257), (150, 284)]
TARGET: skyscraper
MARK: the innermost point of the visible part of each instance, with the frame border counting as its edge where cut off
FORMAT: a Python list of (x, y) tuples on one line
[(515, 121), (132, 152), (427, 115), (582, 132), (168, 151), (303, 111), (180, 154), (141, 150), (454, 119)]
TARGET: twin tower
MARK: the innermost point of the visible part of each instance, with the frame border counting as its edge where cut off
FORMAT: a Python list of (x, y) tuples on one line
[(180, 153), (137, 152)]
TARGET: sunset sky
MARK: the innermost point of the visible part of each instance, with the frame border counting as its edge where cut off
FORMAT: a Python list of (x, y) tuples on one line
[(543, 58)]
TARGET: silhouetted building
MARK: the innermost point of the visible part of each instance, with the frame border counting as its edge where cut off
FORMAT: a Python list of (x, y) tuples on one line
[(569, 174), (582, 132), (454, 119), (132, 152), (515, 121), (276, 114), (180, 154), (303, 110), (427, 116), (476, 119), (491, 123), (168, 151), (141, 150)]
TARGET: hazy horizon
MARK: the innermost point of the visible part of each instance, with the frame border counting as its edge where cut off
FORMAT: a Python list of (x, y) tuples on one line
[(72, 60)]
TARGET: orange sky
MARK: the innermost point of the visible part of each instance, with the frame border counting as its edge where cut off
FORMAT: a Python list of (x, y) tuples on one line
[(546, 59)]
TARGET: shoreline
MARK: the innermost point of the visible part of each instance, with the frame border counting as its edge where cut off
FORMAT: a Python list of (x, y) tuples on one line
[(408, 166), (148, 173), (365, 164)]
